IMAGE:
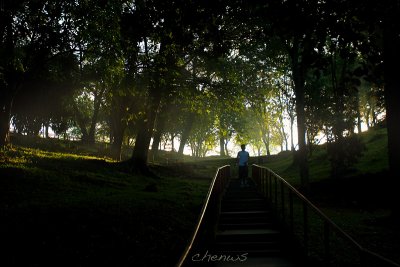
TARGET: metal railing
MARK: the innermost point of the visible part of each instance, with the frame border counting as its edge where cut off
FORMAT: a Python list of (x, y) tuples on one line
[(208, 215), (318, 235)]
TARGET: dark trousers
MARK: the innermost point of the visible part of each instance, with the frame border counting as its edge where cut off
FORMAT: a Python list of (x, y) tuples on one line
[(243, 172)]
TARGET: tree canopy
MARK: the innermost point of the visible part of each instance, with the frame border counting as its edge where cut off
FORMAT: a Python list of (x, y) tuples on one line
[(203, 72)]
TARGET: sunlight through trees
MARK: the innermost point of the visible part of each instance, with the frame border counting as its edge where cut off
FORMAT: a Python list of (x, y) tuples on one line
[(210, 74)]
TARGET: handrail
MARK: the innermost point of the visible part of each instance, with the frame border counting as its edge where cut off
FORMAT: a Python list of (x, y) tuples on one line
[(263, 180), (215, 191)]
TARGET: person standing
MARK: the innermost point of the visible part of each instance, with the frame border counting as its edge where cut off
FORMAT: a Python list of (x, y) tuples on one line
[(243, 160)]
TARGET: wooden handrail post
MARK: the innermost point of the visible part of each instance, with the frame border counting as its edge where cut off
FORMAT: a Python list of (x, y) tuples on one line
[(265, 182), (276, 190), (269, 185), (327, 242), (283, 201), (291, 217), (305, 227)]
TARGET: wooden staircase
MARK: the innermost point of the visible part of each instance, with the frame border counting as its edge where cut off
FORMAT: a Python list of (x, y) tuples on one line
[(247, 232), (242, 230)]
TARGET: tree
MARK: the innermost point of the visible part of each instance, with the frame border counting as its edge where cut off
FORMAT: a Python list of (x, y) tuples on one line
[(371, 102), (32, 35), (169, 31), (373, 28), (391, 56), (86, 108), (203, 136), (299, 28)]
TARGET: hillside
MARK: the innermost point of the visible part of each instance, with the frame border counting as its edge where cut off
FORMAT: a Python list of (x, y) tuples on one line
[(84, 207), (64, 209), (357, 202)]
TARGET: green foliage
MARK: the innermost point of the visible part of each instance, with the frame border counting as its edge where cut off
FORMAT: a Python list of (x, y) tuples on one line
[(371, 102), (344, 154), (203, 137), (125, 61)]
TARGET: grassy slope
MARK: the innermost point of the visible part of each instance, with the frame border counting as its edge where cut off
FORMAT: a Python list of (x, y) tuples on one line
[(87, 210), (60, 209), (374, 159), (358, 202)]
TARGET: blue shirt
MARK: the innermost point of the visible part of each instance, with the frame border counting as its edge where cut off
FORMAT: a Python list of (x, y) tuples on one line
[(243, 157)]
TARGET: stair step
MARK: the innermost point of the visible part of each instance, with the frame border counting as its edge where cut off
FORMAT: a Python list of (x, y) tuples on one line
[(254, 199), (229, 225), (245, 213), (239, 195), (257, 261), (246, 220), (248, 235), (244, 207), (247, 245), (244, 202), (249, 232), (241, 208), (250, 252), (246, 230), (245, 217)]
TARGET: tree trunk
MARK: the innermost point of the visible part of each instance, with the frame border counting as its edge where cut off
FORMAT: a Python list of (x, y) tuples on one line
[(291, 134), (143, 138), (285, 139), (96, 109), (140, 151), (186, 132), (118, 126), (5, 113), (281, 122), (156, 141), (173, 142), (338, 153), (160, 125), (190, 118), (222, 146), (359, 120), (301, 137), (116, 146), (46, 130), (226, 147), (309, 144), (266, 139), (13, 78), (367, 118), (299, 82), (392, 99), (81, 124), (374, 118)]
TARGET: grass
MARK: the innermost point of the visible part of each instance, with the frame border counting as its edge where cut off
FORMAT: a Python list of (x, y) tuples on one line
[(66, 205), (358, 202), (373, 160), (59, 209)]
